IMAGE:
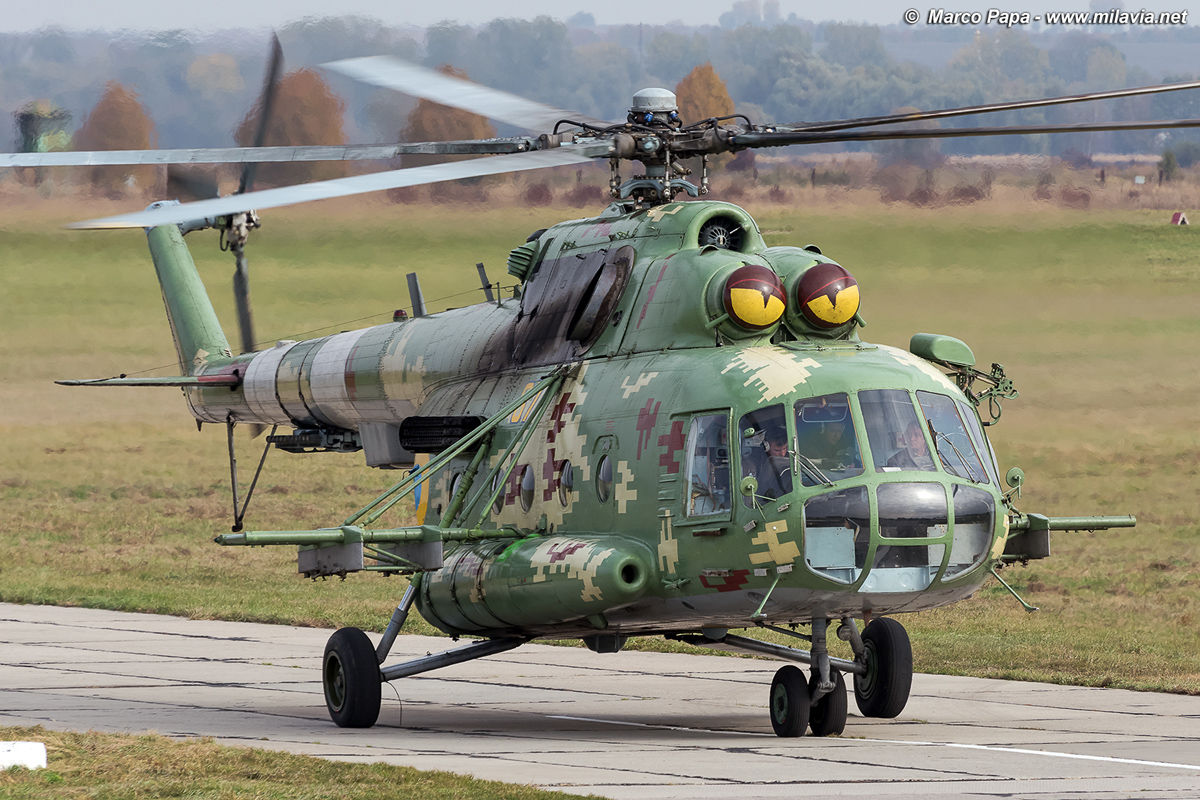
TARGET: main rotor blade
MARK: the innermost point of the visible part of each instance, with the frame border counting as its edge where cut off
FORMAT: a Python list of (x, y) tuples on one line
[(783, 138), (358, 184), (270, 83), (837, 125), (242, 155), (392, 73)]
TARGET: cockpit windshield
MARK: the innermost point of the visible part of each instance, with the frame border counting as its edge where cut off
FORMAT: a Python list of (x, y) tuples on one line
[(895, 432), (826, 443), (954, 447)]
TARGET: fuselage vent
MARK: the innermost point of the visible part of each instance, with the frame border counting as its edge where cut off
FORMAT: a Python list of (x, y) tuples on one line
[(722, 232), (520, 260)]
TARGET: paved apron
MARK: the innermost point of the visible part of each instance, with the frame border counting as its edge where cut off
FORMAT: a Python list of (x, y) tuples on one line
[(629, 725)]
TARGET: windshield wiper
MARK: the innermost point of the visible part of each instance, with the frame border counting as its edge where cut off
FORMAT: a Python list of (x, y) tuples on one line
[(970, 472), (804, 463)]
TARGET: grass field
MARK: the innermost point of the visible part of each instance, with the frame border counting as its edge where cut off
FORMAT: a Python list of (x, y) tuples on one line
[(104, 765), (112, 498)]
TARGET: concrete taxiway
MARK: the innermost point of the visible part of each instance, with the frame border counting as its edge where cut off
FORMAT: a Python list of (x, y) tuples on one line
[(629, 725)]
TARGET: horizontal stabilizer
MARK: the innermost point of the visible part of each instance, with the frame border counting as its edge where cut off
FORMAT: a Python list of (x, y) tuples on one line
[(204, 381)]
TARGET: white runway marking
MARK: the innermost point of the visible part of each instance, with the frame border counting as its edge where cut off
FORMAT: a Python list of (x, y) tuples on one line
[(1047, 753)]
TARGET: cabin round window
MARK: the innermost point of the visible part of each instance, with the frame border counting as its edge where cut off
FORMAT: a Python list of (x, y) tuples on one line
[(498, 505), (604, 479), (527, 488), (565, 483)]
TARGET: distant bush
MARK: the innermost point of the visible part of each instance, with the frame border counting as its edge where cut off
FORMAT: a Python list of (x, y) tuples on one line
[(779, 195), (585, 194), (538, 194), (965, 194), (831, 178), (1168, 166), (1075, 197), (1075, 159)]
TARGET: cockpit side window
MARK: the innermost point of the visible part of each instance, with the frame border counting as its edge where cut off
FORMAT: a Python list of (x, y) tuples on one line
[(826, 443), (982, 445), (765, 454), (895, 432), (954, 447), (708, 465)]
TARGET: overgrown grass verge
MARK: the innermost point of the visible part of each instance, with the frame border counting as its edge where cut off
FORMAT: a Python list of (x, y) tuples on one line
[(100, 766)]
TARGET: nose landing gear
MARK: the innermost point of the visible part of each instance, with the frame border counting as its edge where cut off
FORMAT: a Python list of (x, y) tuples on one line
[(882, 670)]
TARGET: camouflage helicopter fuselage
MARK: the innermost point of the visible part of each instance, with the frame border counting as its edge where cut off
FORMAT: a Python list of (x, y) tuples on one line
[(638, 503)]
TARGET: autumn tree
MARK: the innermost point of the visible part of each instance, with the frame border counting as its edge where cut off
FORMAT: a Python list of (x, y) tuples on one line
[(433, 122), (118, 121), (305, 111), (703, 95)]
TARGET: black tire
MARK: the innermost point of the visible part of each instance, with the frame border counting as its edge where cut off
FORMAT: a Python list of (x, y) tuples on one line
[(789, 702), (350, 675), (883, 690), (828, 716)]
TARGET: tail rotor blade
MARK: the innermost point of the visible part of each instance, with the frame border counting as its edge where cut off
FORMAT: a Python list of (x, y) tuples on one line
[(241, 224), (241, 296), (274, 65)]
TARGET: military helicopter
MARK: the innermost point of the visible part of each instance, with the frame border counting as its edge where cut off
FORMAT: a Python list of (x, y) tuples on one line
[(671, 429)]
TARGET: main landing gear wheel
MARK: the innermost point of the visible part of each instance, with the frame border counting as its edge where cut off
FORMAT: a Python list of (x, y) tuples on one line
[(883, 690), (827, 717), (789, 702), (350, 673)]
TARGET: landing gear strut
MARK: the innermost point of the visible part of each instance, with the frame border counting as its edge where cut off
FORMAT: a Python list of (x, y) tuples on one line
[(827, 717)]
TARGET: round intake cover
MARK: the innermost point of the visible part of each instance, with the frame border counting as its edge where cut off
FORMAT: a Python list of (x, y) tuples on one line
[(828, 296), (754, 297)]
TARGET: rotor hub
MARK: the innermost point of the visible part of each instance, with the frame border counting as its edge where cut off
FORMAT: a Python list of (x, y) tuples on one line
[(655, 107)]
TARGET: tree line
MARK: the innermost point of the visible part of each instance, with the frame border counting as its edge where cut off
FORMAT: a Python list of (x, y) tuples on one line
[(198, 90)]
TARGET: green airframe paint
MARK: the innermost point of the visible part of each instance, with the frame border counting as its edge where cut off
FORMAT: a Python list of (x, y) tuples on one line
[(621, 421), (194, 325)]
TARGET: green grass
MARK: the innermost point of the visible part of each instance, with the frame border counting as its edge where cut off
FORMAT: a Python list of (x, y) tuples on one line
[(104, 766), (112, 497)]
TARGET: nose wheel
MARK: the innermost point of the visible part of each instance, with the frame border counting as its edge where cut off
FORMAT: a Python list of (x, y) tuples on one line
[(790, 702), (827, 717), (883, 688)]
